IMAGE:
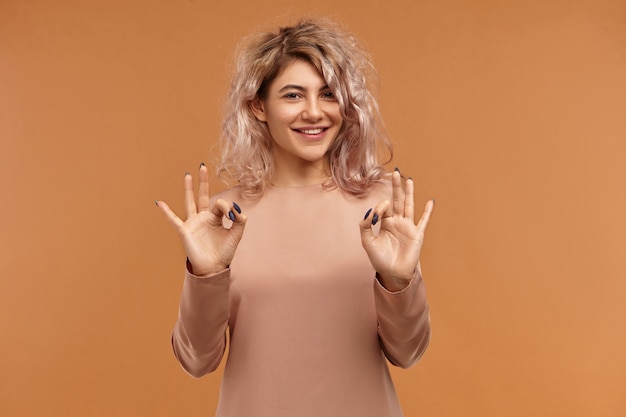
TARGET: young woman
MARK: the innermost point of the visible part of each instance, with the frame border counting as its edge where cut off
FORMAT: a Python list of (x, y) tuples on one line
[(310, 263)]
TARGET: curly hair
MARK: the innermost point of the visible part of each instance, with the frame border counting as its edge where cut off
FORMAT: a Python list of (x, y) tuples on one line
[(345, 66)]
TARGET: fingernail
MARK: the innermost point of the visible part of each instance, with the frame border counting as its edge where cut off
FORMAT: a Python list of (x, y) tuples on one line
[(375, 219), (410, 178), (156, 202), (201, 164), (396, 169), (367, 214), (236, 206), (231, 215), (187, 173)]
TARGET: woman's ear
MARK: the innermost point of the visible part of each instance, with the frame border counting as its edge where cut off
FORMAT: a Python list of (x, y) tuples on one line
[(258, 109)]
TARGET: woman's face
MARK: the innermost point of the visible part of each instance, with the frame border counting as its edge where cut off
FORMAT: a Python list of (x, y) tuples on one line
[(302, 115)]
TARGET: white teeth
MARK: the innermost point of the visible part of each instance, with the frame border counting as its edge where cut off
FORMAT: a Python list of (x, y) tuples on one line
[(311, 131)]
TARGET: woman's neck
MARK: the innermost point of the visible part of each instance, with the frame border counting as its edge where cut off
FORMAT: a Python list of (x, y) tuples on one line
[(301, 175)]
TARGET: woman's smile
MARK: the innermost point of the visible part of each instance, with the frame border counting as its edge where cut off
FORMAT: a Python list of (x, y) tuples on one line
[(312, 133)]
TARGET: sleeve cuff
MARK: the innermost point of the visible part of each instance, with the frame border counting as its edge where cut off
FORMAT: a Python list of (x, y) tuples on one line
[(416, 277), (188, 274)]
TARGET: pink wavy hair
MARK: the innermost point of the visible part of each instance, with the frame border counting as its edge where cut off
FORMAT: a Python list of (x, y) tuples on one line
[(246, 142)]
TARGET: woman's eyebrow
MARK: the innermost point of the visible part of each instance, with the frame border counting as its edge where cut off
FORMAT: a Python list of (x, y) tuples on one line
[(292, 87), (299, 88)]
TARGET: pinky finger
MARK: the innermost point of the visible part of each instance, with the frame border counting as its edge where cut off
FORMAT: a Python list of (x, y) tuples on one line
[(426, 216), (171, 216)]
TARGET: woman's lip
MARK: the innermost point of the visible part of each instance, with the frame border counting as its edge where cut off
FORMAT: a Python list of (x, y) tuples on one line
[(311, 130), (312, 133)]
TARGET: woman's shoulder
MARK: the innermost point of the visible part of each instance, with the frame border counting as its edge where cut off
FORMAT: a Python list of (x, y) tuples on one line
[(231, 194), (381, 189)]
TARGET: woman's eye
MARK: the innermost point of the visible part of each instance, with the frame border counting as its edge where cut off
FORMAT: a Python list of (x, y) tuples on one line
[(328, 94), (292, 96)]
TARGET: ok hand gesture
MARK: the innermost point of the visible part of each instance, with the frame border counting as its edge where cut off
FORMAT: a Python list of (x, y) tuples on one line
[(210, 246), (395, 251)]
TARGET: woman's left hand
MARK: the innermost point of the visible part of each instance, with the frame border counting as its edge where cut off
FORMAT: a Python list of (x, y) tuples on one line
[(395, 251)]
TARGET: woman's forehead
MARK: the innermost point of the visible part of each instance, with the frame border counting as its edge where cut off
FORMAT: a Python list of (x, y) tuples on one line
[(298, 73)]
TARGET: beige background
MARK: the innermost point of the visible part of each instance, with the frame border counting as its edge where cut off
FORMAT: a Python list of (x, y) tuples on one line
[(509, 113)]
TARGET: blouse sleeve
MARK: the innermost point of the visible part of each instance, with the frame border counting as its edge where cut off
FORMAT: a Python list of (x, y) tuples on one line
[(199, 336), (403, 322)]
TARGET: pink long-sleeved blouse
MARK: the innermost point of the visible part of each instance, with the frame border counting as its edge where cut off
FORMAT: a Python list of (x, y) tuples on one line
[(310, 329)]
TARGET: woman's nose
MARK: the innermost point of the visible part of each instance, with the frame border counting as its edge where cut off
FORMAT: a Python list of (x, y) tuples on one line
[(312, 111)]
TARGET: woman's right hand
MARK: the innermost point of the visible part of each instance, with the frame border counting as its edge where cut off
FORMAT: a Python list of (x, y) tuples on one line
[(210, 246)]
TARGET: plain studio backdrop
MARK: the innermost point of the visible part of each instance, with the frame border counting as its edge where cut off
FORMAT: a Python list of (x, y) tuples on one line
[(511, 114)]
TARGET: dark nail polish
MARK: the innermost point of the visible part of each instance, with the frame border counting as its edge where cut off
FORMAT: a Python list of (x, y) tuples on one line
[(231, 215), (156, 202), (187, 173), (236, 206), (201, 164), (367, 214), (410, 178), (375, 219), (396, 169)]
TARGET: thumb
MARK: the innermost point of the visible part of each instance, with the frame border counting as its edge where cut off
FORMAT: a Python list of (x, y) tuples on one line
[(373, 217), (240, 221), (237, 218), (365, 226)]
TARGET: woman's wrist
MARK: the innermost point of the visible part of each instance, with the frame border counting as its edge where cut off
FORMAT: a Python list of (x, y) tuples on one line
[(393, 284), (206, 271)]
